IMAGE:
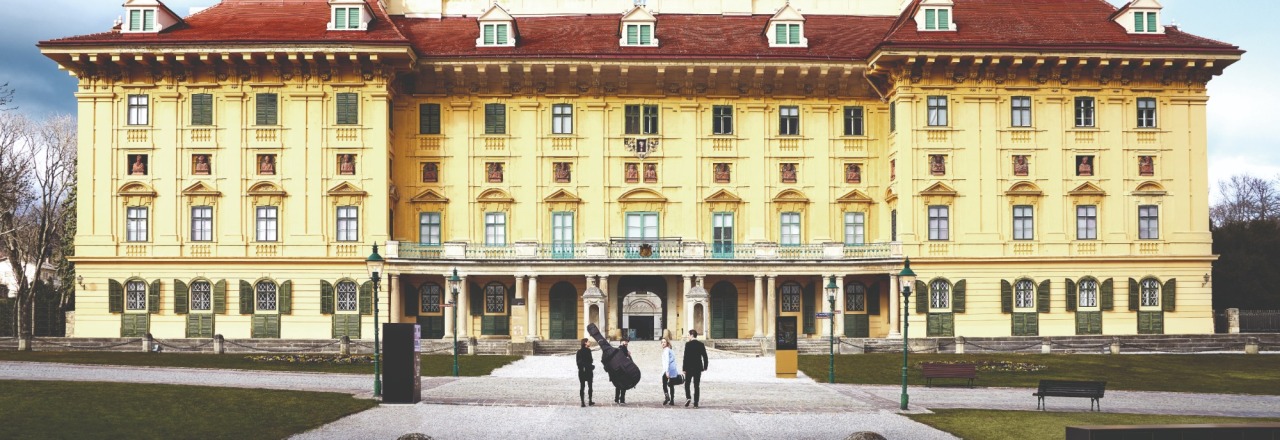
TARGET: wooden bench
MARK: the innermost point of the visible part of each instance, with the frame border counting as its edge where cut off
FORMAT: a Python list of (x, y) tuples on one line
[(949, 371), (1071, 388)]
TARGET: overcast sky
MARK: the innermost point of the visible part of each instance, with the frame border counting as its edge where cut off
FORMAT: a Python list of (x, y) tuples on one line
[(1241, 138)]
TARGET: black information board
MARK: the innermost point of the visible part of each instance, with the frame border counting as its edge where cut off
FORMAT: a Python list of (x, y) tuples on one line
[(786, 333)]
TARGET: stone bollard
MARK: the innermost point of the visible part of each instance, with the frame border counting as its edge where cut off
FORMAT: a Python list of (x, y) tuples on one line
[(1115, 345), (1046, 347), (219, 344), (471, 346), (1233, 321), (960, 344), (1251, 346), (146, 343), (344, 346), (25, 342)]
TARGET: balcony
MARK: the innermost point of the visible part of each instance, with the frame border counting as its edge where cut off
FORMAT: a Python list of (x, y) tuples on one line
[(644, 249)]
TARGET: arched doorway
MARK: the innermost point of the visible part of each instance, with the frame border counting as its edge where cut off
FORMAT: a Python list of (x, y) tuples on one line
[(643, 306), (724, 311), (563, 316)]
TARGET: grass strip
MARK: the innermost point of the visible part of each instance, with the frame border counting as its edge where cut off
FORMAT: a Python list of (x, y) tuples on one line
[(978, 424), (432, 365)]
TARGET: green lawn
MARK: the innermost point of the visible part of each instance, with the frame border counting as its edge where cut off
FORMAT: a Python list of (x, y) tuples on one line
[(976, 424), (432, 365), (55, 410), (1198, 373)]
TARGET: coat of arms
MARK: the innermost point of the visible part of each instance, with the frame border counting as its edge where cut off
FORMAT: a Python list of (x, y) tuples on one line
[(642, 147)]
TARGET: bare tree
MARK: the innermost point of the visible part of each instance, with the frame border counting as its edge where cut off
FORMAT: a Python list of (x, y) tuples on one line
[(6, 97), (1246, 198), (37, 163)]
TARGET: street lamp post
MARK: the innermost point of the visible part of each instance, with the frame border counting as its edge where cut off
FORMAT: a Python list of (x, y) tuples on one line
[(831, 298), (905, 279), (454, 281), (375, 263)]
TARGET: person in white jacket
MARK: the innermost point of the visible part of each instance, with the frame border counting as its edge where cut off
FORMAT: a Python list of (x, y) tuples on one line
[(669, 372)]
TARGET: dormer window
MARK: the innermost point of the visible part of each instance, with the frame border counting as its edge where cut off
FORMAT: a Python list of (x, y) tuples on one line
[(937, 19), (496, 34), (142, 20), (349, 15), (638, 27), (639, 35), (497, 28), (1140, 17), (786, 28), (149, 16), (1145, 22), (346, 18)]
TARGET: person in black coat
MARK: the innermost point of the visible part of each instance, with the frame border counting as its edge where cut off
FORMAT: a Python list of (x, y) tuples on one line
[(615, 376), (695, 362), (585, 373)]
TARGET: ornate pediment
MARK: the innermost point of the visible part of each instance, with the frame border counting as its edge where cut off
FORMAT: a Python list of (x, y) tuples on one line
[(1087, 189), (494, 195), (638, 13), (429, 196), (1024, 189), (265, 189), (890, 195), (201, 189), (1150, 189), (136, 189), (642, 195), (939, 189), (346, 189), (562, 196), (855, 196), (790, 195), (723, 196)]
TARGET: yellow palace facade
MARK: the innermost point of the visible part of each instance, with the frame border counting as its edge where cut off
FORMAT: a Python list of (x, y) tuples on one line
[(706, 165)]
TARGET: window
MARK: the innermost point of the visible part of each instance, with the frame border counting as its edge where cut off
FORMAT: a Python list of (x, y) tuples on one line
[(937, 19), (347, 296), (1085, 109), (1145, 22), (641, 119), (855, 297), (790, 233), (562, 119), (495, 119), (1021, 111), (940, 295), (431, 298), (722, 119), (201, 296), (135, 295), (893, 117), (346, 18), (722, 234), (939, 223), (429, 119), (640, 35), (266, 109), (495, 34), (136, 224), (642, 225), (1150, 293), (1088, 296), (495, 229), (1148, 222), (1146, 112), (266, 220), (937, 111), (348, 223), (266, 291), (429, 228), (142, 20), (202, 109), (348, 109), (853, 121), (138, 110), (495, 298), (201, 223), (786, 34), (893, 225), (1024, 294), (788, 120), (562, 235), (790, 297), (855, 225), (1087, 222), (1024, 222)]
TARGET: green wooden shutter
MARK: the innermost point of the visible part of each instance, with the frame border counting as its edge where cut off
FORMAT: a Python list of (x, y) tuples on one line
[(488, 34), (409, 295), (353, 326), (857, 326), (940, 325), (366, 298), (1018, 324), (135, 19), (326, 298), (353, 18), (246, 298), (930, 19), (475, 300), (181, 297), (1108, 294), (646, 34), (202, 109), (944, 19), (1169, 296), (348, 108), (115, 296), (633, 34), (1133, 295), (922, 297), (266, 106), (148, 20), (134, 325), (1042, 297), (1138, 23), (808, 308), (1071, 295), (780, 33), (795, 34), (1151, 22), (220, 297), (1033, 324), (340, 18), (495, 119), (153, 297), (429, 119), (958, 297), (193, 326), (337, 326), (873, 299), (1089, 323), (502, 34), (285, 298), (1150, 323), (1006, 297)]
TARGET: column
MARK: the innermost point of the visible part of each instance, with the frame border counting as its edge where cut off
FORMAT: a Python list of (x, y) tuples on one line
[(615, 308), (841, 301), (771, 305), (895, 304), (586, 308), (758, 310), (396, 308), (604, 306), (519, 313), (534, 322), (448, 314), (688, 305), (826, 306), (464, 312)]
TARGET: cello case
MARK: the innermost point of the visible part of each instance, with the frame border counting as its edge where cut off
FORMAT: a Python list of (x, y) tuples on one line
[(623, 372)]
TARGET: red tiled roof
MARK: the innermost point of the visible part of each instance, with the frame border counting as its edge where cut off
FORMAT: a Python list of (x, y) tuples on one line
[(1041, 24)]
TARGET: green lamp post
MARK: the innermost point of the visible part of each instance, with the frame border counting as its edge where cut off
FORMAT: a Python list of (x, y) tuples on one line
[(831, 298), (905, 279), (375, 263), (454, 282)]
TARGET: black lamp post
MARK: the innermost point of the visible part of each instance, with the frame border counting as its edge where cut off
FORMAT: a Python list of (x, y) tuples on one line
[(454, 281), (375, 263), (831, 298), (905, 279)]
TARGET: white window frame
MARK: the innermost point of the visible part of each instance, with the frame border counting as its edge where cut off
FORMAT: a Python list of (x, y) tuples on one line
[(1087, 294), (639, 40), (1024, 295), (1086, 115), (722, 234), (501, 34), (139, 109), (1020, 111), (787, 34), (855, 121), (1148, 222), (429, 224), (1149, 292), (139, 22), (938, 23), (1086, 222), (562, 118), (346, 23), (1024, 222), (202, 223), (936, 107), (1147, 112), (562, 229), (789, 229), (643, 226), (789, 120), (495, 229), (137, 220), (266, 296), (939, 223), (267, 221), (201, 296), (940, 295), (135, 295), (346, 296), (722, 119), (855, 228), (348, 223)]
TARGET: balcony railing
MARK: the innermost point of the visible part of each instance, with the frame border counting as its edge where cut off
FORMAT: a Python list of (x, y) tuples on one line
[(651, 249), (561, 251), (862, 251), (800, 252), (643, 249), (419, 251)]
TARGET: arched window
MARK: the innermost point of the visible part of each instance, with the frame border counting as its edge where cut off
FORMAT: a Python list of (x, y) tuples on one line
[(430, 297), (790, 297), (266, 295), (855, 297), (940, 295), (495, 298), (1150, 292), (1024, 294), (136, 295), (201, 296), (347, 296), (1088, 293)]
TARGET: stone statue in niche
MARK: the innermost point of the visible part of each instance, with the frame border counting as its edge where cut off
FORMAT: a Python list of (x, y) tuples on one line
[(852, 173), (200, 164), (430, 172), (494, 171), (562, 172), (266, 164), (788, 172), (346, 164), (1020, 166), (722, 174), (1084, 165), (937, 164), (893, 169), (137, 164), (632, 172), (1146, 165), (651, 173)]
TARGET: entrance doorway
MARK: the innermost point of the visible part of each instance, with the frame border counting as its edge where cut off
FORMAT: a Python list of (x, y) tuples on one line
[(640, 328), (724, 311), (564, 312), (643, 306)]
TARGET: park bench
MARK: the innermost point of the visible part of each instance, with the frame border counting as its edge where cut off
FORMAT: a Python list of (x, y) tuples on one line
[(1071, 388), (949, 371)]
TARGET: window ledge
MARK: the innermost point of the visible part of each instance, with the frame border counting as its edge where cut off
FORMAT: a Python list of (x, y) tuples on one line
[(1085, 129)]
